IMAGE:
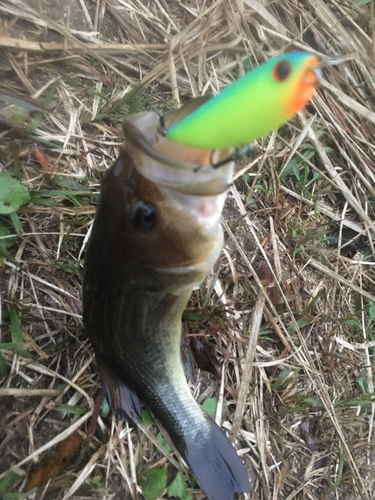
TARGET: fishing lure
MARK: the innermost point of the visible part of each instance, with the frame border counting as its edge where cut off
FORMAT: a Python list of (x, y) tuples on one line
[(253, 106)]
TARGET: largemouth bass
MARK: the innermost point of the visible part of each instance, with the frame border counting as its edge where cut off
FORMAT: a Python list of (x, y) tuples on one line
[(156, 235)]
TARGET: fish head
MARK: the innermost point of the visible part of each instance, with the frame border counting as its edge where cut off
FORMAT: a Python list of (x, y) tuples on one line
[(160, 218)]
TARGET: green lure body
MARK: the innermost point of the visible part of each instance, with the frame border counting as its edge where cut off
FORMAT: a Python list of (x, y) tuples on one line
[(251, 107)]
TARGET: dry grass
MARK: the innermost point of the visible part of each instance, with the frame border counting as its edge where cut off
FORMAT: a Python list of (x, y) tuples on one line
[(305, 415)]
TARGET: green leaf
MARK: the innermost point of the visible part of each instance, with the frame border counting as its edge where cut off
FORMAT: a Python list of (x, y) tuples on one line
[(6, 255), (104, 412), (178, 487), (361, 400), (97, 483), (281, 379), (39, 200), (71, 184), (290, 166), (361, 3), (61, 192), (154, 482), (5, 238), (126, 98), (39, 117), (15, 114), (210, 406), (3, 368), (15, 327), (7, 483), (357, 302), (339, 473), (9, 345), (147, 418), (16, 332), (12, 194), (191, 316), (74, 410), (51, 93), (19, 496), (371, 312), (362, 382), (16, 223), (59, 345), (46, 143), (164, 442), (301, 322)]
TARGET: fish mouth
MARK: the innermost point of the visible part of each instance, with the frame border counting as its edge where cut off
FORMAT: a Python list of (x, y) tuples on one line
[(150, 149)]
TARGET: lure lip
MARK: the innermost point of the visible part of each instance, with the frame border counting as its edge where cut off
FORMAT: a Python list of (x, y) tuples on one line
[(306, 84), (335, 60), (323, 62), (313, 71)]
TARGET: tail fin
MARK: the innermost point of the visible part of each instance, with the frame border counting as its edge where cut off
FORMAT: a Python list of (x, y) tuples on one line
[(215, 464), (202, 444)]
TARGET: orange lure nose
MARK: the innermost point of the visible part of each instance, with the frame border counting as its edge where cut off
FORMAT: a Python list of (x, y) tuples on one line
[(306, 85)]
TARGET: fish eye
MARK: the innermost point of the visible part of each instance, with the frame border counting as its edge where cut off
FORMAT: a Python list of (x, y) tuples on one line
[(281, 70), (143, 215)]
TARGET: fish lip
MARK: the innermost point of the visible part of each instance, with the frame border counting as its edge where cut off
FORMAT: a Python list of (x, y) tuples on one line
[(169, 172), (138, 139)]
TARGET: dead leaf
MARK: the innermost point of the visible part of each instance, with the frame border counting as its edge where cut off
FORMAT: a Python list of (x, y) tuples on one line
[(64, 452), (42, 159)]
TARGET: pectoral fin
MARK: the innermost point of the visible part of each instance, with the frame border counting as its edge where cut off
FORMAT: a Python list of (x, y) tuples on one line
[(123, 401)]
